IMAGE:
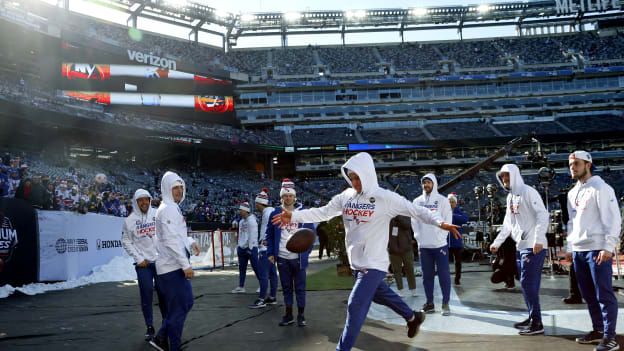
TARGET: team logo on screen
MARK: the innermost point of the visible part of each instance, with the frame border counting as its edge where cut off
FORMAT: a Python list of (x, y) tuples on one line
[(210, 103), (74, 71)]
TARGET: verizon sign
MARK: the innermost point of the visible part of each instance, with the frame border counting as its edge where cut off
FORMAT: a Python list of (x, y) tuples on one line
[(152, 60), (572, 6)]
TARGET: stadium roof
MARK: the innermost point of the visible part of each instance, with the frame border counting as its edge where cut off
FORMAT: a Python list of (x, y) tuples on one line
[(196, 16)]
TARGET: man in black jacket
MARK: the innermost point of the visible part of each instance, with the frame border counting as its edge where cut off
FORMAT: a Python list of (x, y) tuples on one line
[(401, 253)]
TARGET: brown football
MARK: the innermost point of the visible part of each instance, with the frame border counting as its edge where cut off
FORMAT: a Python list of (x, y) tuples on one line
[(302, 240)]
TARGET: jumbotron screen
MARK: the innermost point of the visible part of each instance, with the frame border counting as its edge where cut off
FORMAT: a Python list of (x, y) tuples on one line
[(144, 83)]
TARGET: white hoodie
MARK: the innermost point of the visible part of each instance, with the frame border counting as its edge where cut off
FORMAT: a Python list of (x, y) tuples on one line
[(173, 243), (266, 221), (526, 217), (366, 215), (248, 232), (594, 216), (429, 236), (138, 236)]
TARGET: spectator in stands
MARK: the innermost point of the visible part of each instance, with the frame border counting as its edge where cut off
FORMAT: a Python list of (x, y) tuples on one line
[(456, 246), (49, 198), (432, 244), (266, 270), (4, 181), (593, 232), (401, 253), (526, 221), (14, 182), (247, 249), (82, 206)]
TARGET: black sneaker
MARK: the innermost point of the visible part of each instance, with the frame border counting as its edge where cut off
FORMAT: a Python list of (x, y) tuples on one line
[(149, 333), (286, 320), (534, 329), (607, 344), (413, 326), (590, 338), (428, 308), (572, 300), (510, 286), (270, 301), (301, 320), (521, 325), (159, 343), (259, 303)]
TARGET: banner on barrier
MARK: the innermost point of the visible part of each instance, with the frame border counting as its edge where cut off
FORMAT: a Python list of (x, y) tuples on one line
[(72, 244), (18, 242)]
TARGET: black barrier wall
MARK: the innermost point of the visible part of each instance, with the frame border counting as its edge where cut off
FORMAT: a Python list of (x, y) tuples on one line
[(19, 242)]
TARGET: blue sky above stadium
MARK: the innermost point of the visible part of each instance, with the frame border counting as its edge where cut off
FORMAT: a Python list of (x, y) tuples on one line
[(251, 6)]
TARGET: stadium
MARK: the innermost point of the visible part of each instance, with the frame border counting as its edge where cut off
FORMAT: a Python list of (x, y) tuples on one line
[(92, 109)]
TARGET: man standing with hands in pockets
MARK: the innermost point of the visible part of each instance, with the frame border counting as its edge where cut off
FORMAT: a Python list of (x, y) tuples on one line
[(593, 233)]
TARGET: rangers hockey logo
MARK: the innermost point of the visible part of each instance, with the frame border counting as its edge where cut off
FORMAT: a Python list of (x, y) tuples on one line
[(8, 240)]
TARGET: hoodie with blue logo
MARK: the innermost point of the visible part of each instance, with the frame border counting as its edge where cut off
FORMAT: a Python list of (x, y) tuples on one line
[(366, 215), (138, 236)]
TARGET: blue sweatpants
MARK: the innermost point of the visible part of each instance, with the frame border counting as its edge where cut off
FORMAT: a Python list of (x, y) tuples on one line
[(266, 273), (595, 283), (369, 287), (245, 255), (178, 294), (147, 281), (530, 268), (292, 276), (429, 260)]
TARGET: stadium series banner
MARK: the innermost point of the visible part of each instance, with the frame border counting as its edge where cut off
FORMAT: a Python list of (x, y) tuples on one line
[(18, 242), (71, 244)]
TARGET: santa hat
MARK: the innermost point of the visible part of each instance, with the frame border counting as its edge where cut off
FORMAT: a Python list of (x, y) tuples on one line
[(452, 196), (245, 207), (263, 197), (288, 187)]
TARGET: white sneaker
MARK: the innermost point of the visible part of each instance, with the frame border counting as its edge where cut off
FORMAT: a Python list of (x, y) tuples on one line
[(414, 294), (401, 293), (238, 290), (257, 290)]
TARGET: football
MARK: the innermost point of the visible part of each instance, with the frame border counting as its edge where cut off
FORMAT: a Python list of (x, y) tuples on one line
[(302, 240)]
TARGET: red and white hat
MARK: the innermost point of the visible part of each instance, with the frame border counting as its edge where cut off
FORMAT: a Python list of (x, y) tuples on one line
[(580, 154), (452, 196), (288, 187), (263, 197), (245, 207)]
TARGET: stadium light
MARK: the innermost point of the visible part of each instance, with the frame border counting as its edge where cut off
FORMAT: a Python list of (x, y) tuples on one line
[(419, 12), (292, 16), (247, 17), (356, 14), (222, 13), (483, 8)]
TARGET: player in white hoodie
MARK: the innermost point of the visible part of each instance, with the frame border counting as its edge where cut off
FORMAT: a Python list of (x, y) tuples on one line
[(367, 210), (267, 272), (138, 238), (173, 264), (593, 233), (433, 244), (247, 249), (526, 220)]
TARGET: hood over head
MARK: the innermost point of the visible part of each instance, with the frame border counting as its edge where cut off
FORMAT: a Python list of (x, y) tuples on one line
[(137, 195), (169, 180), (515, 179), (432, 178), (361, 164)]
